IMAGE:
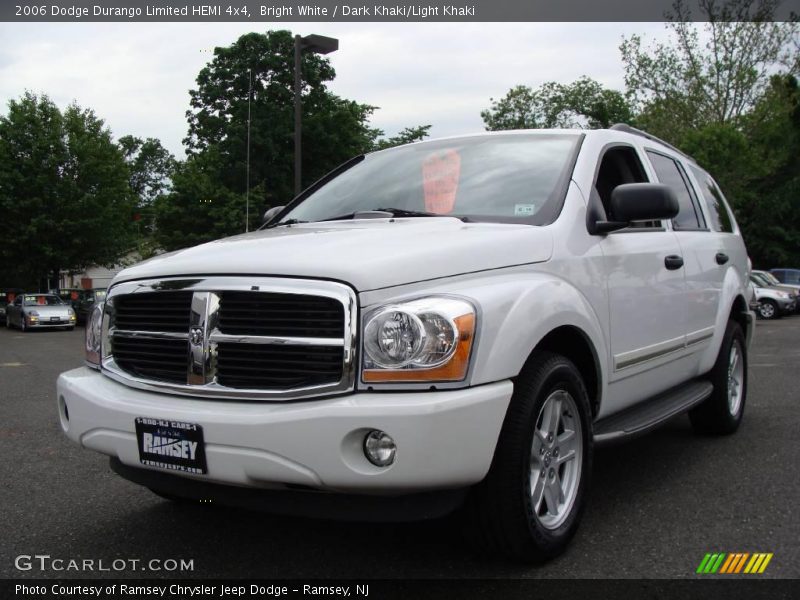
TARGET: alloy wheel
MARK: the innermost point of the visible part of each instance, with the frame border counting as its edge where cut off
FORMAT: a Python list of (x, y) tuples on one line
[(556, 458)]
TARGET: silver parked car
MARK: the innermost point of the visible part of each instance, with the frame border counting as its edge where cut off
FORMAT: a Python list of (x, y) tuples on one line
[(35, 311)]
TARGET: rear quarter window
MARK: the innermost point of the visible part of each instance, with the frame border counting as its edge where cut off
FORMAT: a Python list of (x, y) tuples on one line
[(718, 211)]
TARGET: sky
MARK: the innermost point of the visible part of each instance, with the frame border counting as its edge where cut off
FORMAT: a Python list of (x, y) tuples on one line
[(136, 76)]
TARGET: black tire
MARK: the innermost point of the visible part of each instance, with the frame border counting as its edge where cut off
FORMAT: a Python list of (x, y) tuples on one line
[(500, 512), (70, 328), (768, 309), (22, 326), (716, 415)]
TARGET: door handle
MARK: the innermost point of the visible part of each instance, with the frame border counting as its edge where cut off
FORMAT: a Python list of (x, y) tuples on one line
[(673, 261), (721, 258)]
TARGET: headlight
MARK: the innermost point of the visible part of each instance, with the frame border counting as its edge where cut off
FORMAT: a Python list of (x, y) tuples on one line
[(94, 335), (424, 340), (33, 313)]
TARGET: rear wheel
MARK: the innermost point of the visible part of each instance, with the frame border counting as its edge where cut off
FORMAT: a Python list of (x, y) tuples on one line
[(721, 413), (530, 503), (768, 309)]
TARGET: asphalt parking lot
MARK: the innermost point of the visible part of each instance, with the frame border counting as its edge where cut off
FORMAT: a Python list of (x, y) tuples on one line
[(657, 505)]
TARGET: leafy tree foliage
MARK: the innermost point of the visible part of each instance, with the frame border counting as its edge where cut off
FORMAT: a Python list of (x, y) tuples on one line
[(725, 91), (64, 192), (583, 103), (256, 73), (406, 136), (710, 74), (151, 168)]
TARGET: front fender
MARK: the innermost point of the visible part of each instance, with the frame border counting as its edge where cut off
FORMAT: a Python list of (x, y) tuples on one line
[(518, 307)]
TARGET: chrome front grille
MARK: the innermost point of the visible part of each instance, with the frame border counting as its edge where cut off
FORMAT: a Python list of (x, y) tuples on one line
[(233, 337), (277, 367), (280, 314), (160, 359), (157, 311)]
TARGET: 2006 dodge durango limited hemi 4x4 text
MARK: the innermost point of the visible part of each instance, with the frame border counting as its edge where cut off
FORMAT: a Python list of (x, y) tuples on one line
[(447, 324)]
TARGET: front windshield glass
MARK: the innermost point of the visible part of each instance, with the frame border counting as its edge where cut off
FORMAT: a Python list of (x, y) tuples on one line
[(770, 277), (512, 178), (761, 280), (41, 300)]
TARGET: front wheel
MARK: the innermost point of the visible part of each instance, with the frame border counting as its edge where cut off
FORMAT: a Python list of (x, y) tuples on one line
[(529, 505), (722, 412), (22, 327), (768, 309)]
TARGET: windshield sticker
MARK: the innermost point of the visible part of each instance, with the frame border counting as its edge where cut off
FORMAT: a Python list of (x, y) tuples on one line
[(524, 210), (440, 173)]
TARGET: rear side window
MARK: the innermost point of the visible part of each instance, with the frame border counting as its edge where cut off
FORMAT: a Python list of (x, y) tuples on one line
[(717, 207), (792, 277), (669, 172)]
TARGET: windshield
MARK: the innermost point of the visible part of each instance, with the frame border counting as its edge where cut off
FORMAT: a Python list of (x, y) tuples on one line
[(769, 277), (41, 300), (510, 178), (760, 280)]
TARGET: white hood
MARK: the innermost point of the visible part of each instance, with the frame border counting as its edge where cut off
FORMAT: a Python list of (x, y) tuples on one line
[(366, 253)]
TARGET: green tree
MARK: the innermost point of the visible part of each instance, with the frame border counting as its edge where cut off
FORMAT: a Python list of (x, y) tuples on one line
[(582, 103), (151, 168), (334, 129), (64, 191), (710, 73), (200, 207), (256, 74), (407, 136)]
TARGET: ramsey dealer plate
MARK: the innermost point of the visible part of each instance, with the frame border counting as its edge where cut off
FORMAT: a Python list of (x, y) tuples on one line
[(171, 445)]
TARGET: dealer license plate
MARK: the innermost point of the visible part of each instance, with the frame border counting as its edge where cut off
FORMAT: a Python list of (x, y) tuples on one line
[(171, 445)]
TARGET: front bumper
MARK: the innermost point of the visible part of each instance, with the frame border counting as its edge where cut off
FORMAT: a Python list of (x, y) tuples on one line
[(46, 324), (787, 306), (445, 439)]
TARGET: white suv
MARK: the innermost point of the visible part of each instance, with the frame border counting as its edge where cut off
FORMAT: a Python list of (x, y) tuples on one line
[(453, 323)]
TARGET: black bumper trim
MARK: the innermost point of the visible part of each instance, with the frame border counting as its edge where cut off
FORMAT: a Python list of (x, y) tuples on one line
[(318, 504)]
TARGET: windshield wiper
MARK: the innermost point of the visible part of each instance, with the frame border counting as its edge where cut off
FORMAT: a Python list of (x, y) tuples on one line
[(383, 213), (287, 222)]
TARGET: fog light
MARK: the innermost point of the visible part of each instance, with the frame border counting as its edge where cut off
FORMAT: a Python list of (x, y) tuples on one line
[(379, 448)]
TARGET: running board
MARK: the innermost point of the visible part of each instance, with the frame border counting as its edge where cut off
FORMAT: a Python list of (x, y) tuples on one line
[(641, 418)]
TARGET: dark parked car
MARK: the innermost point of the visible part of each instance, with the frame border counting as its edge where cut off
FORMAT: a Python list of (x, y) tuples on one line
[(791, 276), (87, 301), (7, 297), (71, 296)]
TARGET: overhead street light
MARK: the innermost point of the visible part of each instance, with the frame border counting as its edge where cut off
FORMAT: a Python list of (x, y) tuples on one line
[(318, 44)]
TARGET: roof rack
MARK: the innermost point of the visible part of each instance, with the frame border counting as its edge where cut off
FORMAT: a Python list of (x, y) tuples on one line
[(632, 130)]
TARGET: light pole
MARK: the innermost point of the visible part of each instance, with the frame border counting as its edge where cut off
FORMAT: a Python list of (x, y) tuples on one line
[(318, 44), (247, 168)]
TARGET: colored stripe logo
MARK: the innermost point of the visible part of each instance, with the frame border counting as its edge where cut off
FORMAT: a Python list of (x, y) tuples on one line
[(729, 563)]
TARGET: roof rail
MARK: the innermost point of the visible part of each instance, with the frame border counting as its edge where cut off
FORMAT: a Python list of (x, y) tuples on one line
[(632, 130)]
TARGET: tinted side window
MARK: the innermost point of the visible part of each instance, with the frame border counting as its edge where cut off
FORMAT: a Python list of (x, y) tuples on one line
[(792, 277), (671, 174), (717, 207)]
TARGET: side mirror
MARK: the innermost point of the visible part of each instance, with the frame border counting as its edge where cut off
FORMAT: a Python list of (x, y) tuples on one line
[(271, 213), (639, 202)]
